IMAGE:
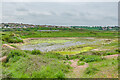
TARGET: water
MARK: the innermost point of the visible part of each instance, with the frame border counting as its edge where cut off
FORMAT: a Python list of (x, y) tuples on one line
[(45, 47)]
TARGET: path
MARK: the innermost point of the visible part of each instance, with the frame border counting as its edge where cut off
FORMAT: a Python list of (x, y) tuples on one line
[(78, 70)]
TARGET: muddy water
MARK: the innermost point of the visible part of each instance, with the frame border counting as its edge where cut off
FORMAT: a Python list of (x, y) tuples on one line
[(45, 47)]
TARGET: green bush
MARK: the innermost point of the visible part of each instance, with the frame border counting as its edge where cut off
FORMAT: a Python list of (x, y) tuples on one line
[(69, 62), (54, 55), (13, 46), (91, 70), (11, 38), (117, 50), (82, 58), (80, 63), (35, 52), (90, 58), (15, 54), (110, 53), (67, 57), (74, 57)]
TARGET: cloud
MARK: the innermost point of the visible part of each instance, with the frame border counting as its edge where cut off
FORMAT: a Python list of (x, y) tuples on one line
[(76, 13), (60, 0), (22, 9)]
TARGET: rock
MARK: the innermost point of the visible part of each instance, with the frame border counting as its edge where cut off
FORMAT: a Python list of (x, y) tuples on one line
[(3, 59), (8, 46)]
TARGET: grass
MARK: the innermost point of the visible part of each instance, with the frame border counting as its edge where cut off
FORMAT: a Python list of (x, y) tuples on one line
[(65, 32), (34, 66), (106, 68), (48, 41), (70, 52), (91, 70)]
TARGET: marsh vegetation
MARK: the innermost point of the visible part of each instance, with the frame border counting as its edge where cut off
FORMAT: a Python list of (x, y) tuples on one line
[(69, 53)]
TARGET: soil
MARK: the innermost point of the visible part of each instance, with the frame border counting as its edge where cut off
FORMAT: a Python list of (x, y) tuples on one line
[(111, 56), (74, 64)]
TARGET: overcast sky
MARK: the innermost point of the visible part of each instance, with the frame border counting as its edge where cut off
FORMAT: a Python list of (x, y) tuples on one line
[(61, 13)]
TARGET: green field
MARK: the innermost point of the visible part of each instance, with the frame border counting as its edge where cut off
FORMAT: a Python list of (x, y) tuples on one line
[(68, 53)]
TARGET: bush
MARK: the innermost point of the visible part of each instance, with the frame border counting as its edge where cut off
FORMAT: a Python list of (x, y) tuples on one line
[(82, 58), (80, 63), (90, 58), (54, 55), (35, 52), (74, 57), (11, 38), (67, 57), (15, 54), (69, 62), (13, 46), (110, 53), (117, 50), (91, 70)]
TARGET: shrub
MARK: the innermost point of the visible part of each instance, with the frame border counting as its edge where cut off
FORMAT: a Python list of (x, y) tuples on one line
[(117, 50), (15, 54), (67, 57), (91, 70), (90, 58), (82, 58), (80, 63), (13, 46), (35, 52), (110, 53), (69, 62), (54, 55), (11, 38), (74, 57)]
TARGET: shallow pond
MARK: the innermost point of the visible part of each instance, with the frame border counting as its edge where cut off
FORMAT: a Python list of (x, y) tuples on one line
[(46, 47)]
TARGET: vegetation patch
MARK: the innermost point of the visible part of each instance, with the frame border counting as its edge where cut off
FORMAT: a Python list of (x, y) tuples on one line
[(89, 58), (11, 38), (15, 55), (91, 70), (36, 52), (70, 52), (80, 63)]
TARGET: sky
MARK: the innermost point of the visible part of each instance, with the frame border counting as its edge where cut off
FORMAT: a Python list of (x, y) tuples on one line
[(61, 13)]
